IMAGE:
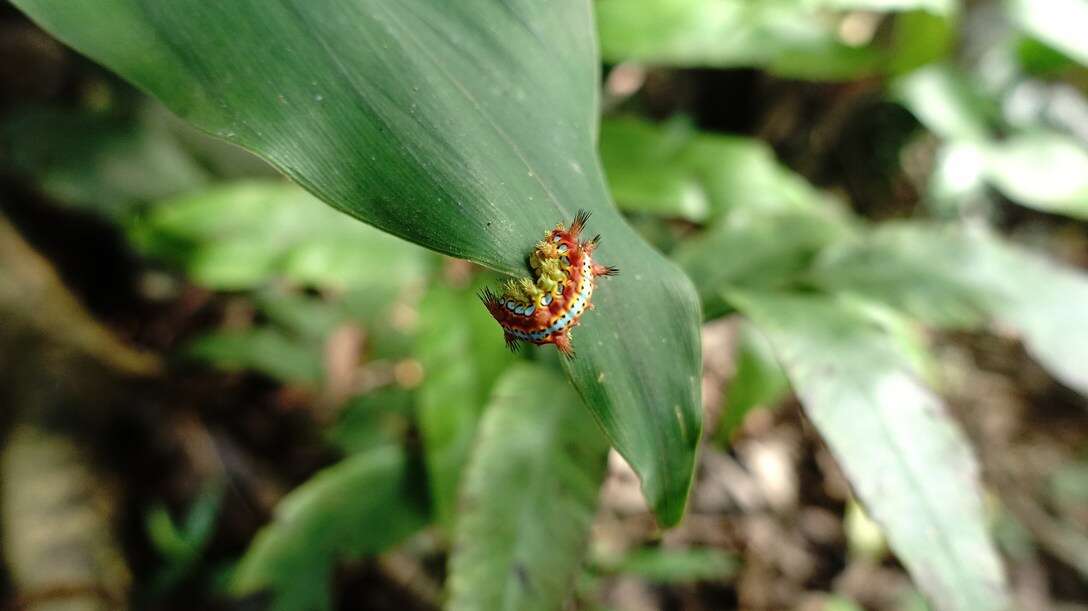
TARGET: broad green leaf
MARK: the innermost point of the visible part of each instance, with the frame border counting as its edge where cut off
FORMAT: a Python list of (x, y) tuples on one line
[(905, 458), (1059, 23), (466, 127), (245, 234), (758, 382), (947, 102), (901, 268), (1043, 170), (103, 163), (360, 506), (674, 170), (760, 251), (529, 497), (460, 365), (960, 278)]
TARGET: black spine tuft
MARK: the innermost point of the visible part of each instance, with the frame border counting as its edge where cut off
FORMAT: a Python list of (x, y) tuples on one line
[(580, 220)]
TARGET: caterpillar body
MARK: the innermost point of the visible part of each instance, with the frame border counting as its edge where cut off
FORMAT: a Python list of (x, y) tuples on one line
[(544, 309)]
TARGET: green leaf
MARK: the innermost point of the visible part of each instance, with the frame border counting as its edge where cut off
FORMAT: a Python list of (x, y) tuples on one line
[(674, 170), (785, 36), (529, 497), (244, 234), (1039, 59), (460, 365), (360, 506), (380, 417), (759, 382), (907, 269), (947, 102), (270, 351), (920, 38), (466, 127), (906, 459), (1043, 170), (760, 251), (793, 38), (650, 171), (953, 277), (957, 186), (1037, 168), (935, 7), (664, 565), (181, 546), (96, 162), (307, 317), (1059, 23)]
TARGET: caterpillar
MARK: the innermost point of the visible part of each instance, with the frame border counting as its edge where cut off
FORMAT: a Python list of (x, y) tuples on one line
[(544, 310)]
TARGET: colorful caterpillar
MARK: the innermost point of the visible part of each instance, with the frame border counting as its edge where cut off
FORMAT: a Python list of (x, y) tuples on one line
[(545, 310)]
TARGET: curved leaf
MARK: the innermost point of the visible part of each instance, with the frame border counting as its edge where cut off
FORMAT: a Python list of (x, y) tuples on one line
[(795, 38), (952, 277), (245, 234), (675, 170), (529, 497), (362, 505), (785, 37), (1043, 170), (466, 127), (106, 165), (460, 367), (1059, 23), (905, 458)]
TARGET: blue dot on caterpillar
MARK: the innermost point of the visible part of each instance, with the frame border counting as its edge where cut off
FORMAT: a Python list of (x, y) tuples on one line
[(543, 309)]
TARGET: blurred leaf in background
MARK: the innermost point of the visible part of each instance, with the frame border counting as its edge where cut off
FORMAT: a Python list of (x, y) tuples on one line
[(97, 161), (182, 544), (905, 458), (462, 362), (1055, 22), (959, 278), (1034, 165), (318, 523), (674, 170), (257, 234), (244, 235), (793, 38), (529, 496)]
